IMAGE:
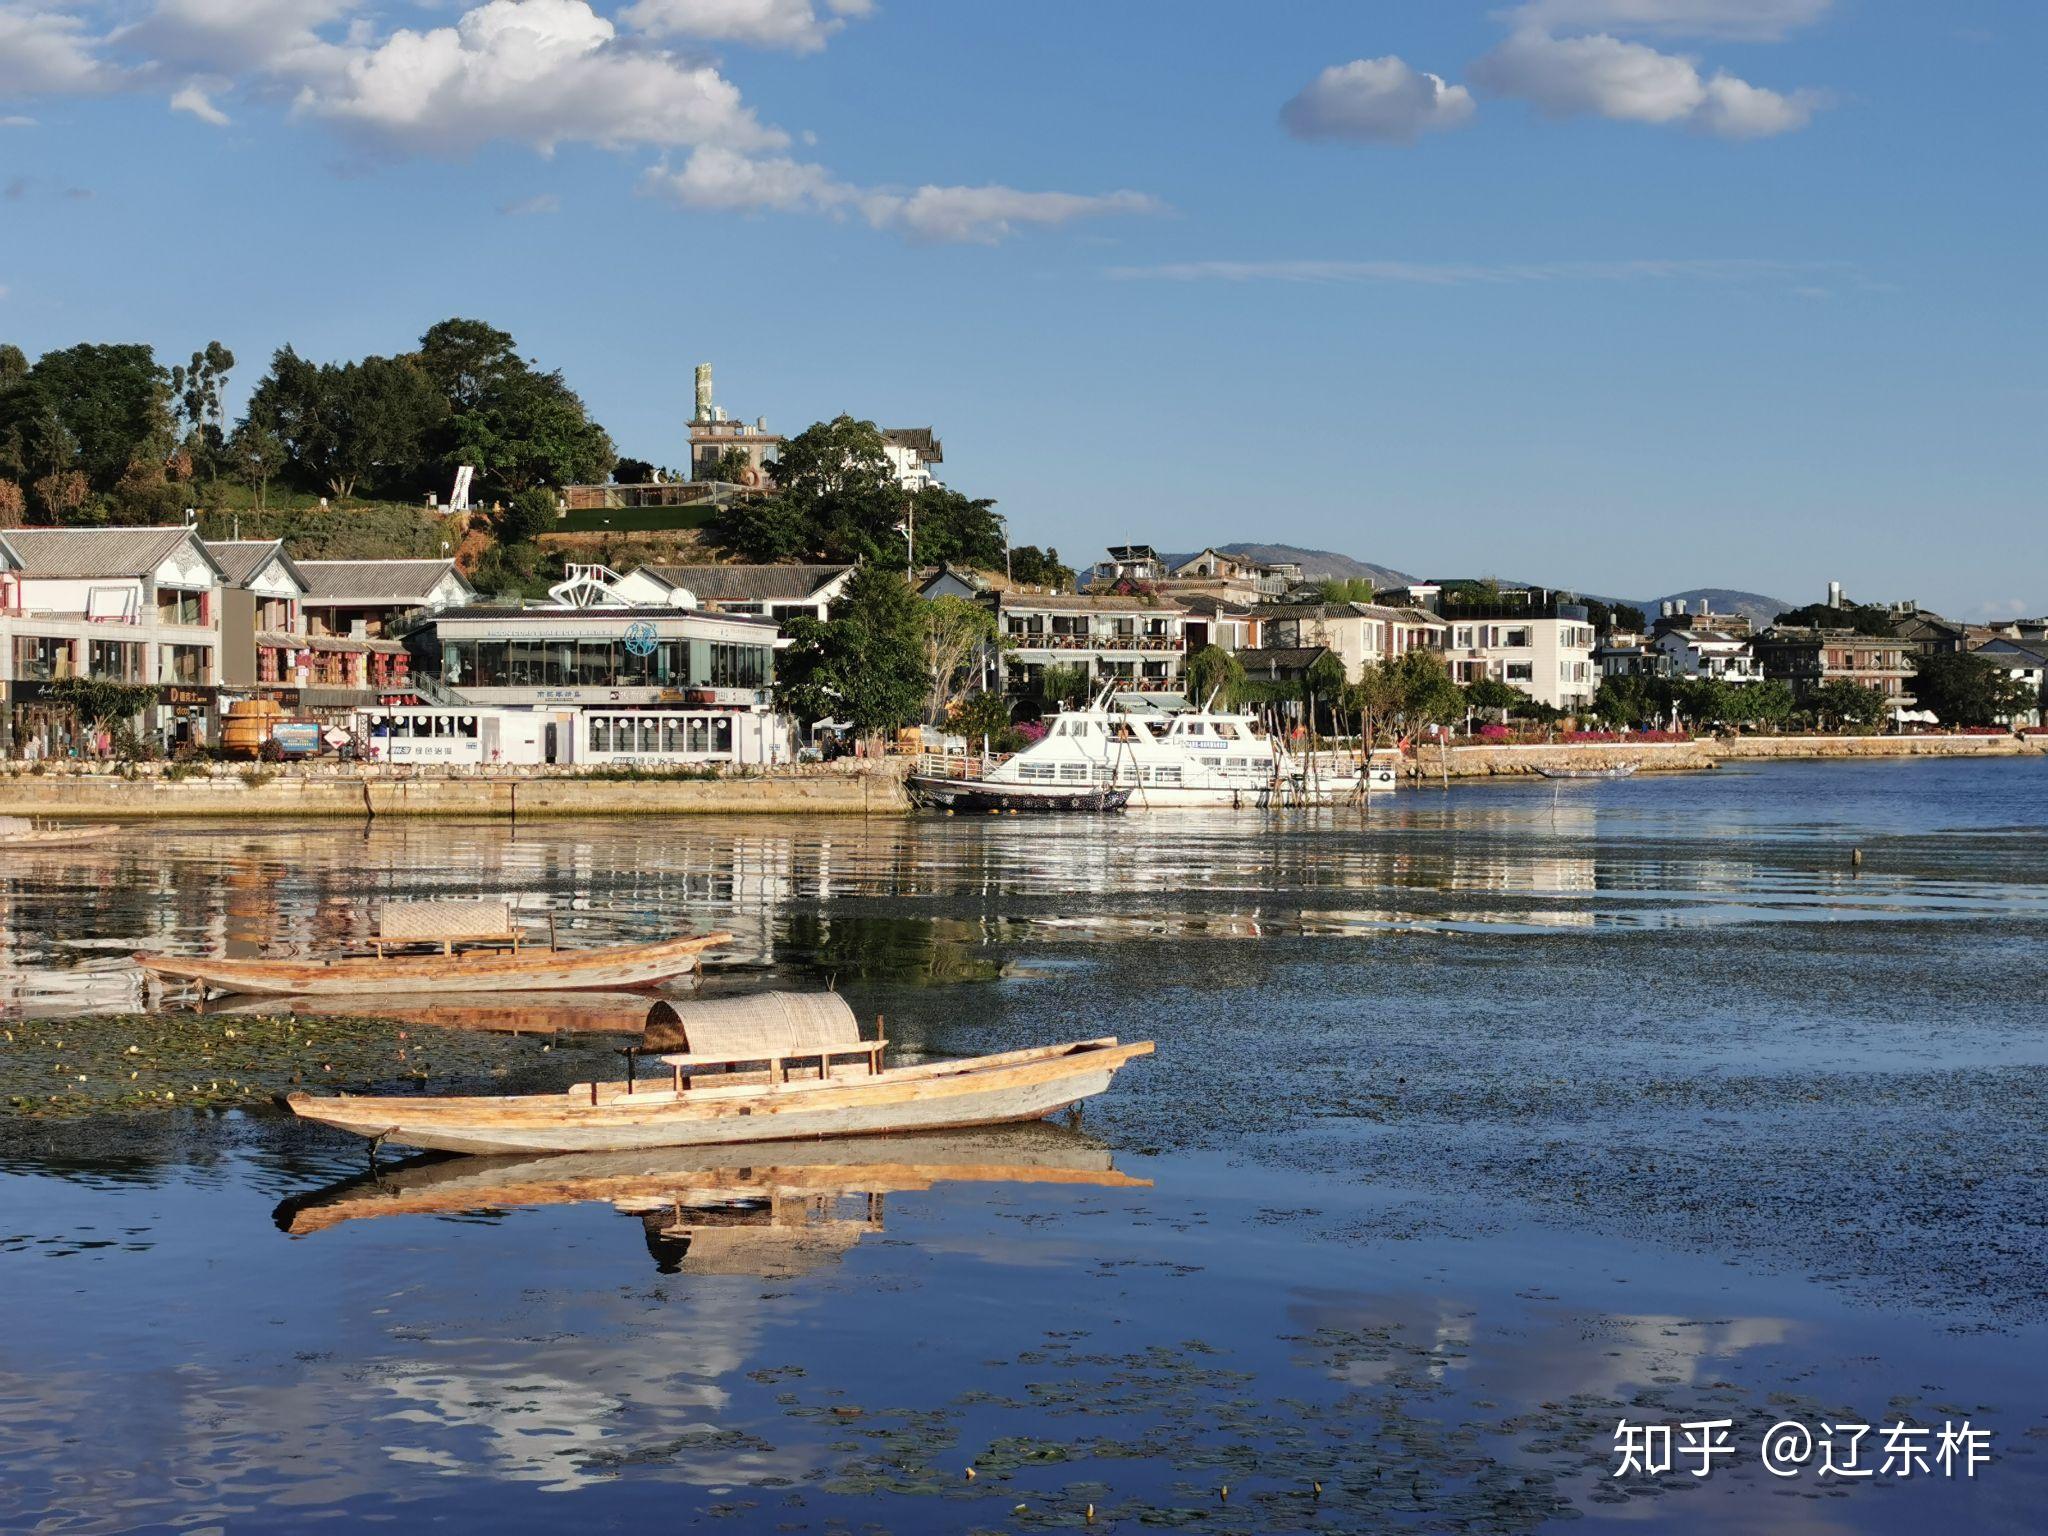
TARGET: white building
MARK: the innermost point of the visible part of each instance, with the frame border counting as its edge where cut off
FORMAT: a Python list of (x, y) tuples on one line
[(1361, 634), (128, 605), (1530, 641), (764, 591), (1707, 653), (912, 451), (1138, 640)]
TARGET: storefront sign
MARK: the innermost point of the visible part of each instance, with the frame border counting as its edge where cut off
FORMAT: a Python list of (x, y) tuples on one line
[(299, 737), (185, 696)]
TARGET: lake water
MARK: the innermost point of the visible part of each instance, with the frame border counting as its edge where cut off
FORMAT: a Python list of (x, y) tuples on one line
[(1479, 1123)]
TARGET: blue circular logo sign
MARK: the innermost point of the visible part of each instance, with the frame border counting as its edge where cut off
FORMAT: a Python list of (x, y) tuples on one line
[(640, 639)]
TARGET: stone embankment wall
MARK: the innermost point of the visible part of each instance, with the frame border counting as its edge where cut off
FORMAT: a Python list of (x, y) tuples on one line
[(1515, 761), (286, 792), (1878, 746)]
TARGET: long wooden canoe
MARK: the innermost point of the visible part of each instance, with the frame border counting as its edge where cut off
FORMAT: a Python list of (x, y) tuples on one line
[(744, 1108), (612, 968), (52, 837), (635, 1182)]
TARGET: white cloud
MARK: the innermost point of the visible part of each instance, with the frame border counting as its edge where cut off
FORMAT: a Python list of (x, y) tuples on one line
[(1458, 274), (194, 99), (522, 207), (48, 51), (1633, 82), (540, 72), (1376, 100), (721, 179), (1747, 20), (795, 25), (17, 121), (235, 37)]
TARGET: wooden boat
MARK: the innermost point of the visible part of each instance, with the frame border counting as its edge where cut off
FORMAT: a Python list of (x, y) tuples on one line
[(509, 1013), (19, 833), (610, 968), (480, 950), (1618, 771), (733, 1086), (665, 1178), (987, 797)]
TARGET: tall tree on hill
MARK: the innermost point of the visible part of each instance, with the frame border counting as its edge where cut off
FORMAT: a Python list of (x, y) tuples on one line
[(72, 424), (835, 499), (348, 425), (519, 427), (1035, 567), (1864, 618)]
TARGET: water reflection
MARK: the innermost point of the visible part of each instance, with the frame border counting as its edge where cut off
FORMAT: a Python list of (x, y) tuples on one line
[(931, 900), (783, 1210)]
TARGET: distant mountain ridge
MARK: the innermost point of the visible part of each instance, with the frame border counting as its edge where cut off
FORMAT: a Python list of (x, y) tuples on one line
[(1327, 564)]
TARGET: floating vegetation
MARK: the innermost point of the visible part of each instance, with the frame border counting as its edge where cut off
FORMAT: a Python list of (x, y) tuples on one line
[(143, 1064)]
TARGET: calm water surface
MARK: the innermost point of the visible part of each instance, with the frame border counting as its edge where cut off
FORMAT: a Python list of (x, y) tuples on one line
[(1477, 1124)]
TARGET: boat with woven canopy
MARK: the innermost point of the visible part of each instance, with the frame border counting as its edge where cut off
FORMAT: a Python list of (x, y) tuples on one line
[(774, 1067), (442, 947)]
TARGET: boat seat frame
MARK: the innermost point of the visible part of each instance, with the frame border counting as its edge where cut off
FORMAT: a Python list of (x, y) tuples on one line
[(687, 1065)]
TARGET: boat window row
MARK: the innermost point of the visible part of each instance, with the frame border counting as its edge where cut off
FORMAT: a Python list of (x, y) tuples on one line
[(410, 727)]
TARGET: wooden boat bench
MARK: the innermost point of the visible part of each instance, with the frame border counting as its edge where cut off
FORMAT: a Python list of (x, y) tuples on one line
[(777, 1059), (407, 924)]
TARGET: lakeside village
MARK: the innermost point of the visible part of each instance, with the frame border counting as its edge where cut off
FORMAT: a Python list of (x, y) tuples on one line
[(172, 588)]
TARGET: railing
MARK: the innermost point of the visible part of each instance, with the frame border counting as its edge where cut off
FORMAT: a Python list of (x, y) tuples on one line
[(951, 765), (1030, 642)]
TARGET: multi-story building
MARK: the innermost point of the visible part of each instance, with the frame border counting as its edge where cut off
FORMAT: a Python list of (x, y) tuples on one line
[(2025, 664), (713, 440), (366, 599), (1533, 640), (1672, 613), (708, 676), (1138, 640), (1138, 563), (912, 451), (1808, 658), (1361, 634), (1697, 652), (128, 605), (268, 651)]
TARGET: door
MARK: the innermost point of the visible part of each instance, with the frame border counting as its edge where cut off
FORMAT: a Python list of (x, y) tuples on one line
[(550, 738)]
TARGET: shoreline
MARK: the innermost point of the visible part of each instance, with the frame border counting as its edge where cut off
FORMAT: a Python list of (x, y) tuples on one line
[(149, 792)]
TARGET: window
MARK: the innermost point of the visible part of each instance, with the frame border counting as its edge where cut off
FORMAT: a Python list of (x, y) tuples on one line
[(1520, 672), (600, 734), (1516, 639)]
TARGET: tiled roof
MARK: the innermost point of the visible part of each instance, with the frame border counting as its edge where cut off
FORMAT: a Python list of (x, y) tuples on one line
[(240, 559), (919, 440), (372, 581), (748, 583), (1086, 602), (89, 552)]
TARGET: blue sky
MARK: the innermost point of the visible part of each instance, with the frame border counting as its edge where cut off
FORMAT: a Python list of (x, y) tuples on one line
[(1633, 295)]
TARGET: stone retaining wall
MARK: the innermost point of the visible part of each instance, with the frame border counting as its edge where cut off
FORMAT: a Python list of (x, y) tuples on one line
[(289, 794)]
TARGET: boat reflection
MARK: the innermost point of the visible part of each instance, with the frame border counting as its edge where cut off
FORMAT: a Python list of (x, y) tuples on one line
[(773, 1209), (512, 1013)]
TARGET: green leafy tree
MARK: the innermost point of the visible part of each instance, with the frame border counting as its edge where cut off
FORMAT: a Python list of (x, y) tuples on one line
[(729, 465), (348, 424), (1490, 693), (1427, 694), (1842, 702), (1963, 689), (1768, 703), (633, 472), (1323, 682), (981, 716), (517, 570), (531, 429), (953, 529), (865, 664), (1375, 699), (528, 515), (1062, 684), (958, 634), (91, 409), (100, 703), (1864, 618), (835, 499), (1035, 567), (196, 396), (1211, 669)]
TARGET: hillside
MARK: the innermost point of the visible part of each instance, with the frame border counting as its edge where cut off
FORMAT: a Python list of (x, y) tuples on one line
[(1755, 606)]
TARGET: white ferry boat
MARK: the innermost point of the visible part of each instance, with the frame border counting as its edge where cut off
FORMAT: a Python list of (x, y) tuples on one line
[(1165, 752)]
